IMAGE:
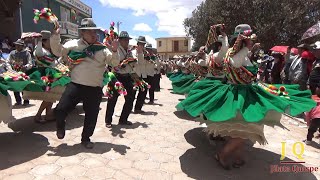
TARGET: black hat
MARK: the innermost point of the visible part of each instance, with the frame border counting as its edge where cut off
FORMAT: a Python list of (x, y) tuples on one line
[(142, 39), (149, 46), (87, 23), (124, 35)]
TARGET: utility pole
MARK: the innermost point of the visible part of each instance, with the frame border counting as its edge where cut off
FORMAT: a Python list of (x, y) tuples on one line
[(20, 14), (118, 26)]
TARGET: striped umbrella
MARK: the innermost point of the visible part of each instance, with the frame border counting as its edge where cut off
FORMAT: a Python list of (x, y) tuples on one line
[(311, 32)]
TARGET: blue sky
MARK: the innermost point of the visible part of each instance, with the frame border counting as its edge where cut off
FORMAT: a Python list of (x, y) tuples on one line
[(150, 18)]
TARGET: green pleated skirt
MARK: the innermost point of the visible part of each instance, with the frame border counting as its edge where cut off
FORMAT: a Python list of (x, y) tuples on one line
[(184, 84), (221, 102)]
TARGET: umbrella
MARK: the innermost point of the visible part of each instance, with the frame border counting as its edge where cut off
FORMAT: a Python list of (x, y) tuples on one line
[(30, 35), (283, 49), (311, 32)]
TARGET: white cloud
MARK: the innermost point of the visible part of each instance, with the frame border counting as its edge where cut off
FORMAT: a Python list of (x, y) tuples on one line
[(133, 41), (170, 13), (151, 40), (142, 27)]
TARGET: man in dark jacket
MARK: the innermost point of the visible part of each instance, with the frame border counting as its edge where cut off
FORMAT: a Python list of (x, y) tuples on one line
[(314, 78)]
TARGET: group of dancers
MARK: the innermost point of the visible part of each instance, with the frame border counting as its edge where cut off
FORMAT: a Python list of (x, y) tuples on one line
[(222, 89), (76, 71)]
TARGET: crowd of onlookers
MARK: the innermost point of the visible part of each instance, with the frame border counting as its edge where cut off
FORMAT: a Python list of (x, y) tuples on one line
[(301, 66), (296, 66)]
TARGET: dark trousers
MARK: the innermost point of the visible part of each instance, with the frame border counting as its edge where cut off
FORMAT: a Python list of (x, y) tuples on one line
[(128, 104), (91, 98), (303, 85), (315, 124), (151, 81), (141, 97), (19, 99), (313, 88), (157, 78)]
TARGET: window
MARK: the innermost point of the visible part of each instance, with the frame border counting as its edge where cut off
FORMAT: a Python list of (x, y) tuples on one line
[(175, 46), (65, 14), (160, 43), (186, 43)]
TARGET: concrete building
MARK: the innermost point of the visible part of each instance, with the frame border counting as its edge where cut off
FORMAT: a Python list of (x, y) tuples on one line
[(8, 13), (168, 47), (69, 12)]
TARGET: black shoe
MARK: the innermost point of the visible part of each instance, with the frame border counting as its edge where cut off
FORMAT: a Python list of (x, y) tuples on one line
[(26, 103), (87, 144), (61, 133), (129, 123), (17, 104), (150, 102), (139, 112)]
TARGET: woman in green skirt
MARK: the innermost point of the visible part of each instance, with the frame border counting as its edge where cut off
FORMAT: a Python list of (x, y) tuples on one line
[(240, 108), (184, 83), (209, 68), (53, 75)]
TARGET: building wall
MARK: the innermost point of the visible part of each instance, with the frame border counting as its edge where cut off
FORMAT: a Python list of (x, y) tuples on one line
[(166, 50), (27, 15), (182, 46), (8, 18), (167, 44)]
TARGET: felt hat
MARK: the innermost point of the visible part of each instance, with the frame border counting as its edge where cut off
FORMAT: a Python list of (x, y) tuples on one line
[(19, 42), (149, 46), (245, 30), (45, 34), (88, 23), (124, 35), (242, 29), (142, 39)]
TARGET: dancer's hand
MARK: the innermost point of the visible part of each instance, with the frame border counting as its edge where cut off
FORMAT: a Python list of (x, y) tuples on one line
[(56, 29), (115, 45), (222, 29)]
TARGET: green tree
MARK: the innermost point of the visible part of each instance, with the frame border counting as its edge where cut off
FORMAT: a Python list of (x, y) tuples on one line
[(280, 22)]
